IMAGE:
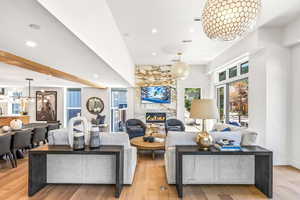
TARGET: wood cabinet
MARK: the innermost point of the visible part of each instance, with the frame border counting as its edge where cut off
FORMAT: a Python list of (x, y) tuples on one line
[(5, 120)]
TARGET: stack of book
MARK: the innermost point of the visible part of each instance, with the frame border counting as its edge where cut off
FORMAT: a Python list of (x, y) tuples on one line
[(225, 145)]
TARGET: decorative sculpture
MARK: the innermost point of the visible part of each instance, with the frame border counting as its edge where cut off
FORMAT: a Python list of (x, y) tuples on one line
[(78, 136)]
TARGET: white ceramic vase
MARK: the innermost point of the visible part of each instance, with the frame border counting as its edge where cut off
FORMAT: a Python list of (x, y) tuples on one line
[(16, 124), (5, 128)]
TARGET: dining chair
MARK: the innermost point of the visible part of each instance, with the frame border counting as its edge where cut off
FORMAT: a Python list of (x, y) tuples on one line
[(38, 136), (20, 141), (52, 127), (5, 143)]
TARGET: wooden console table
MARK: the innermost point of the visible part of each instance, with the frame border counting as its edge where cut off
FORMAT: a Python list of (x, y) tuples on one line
[(263, 165), (38, 164)]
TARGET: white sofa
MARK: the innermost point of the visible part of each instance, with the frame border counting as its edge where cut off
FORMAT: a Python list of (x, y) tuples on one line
[(90, 169), (211, 169)]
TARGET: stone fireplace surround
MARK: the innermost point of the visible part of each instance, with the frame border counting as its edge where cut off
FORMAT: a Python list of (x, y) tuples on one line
[(154, 75)]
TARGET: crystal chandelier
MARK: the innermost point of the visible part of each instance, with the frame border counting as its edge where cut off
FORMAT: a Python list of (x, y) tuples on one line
[(229, 19), (180, 70)]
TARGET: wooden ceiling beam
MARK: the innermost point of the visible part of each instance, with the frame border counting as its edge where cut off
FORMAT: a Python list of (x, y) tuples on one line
[(24, 63)]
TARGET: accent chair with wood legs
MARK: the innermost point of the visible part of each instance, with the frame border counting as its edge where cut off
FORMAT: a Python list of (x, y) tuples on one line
[(5, 142), (38, 136), (135, 128), (21, 140)]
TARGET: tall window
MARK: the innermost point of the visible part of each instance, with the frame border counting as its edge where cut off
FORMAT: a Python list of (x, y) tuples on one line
[(221, 102), (232, 96), (73, 102), (233, 72), (245, 68), (222, 76), (238, 102), (118, 109), (16, 106)]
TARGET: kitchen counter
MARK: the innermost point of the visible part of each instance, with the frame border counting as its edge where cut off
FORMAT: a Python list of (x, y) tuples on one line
[(6, 119), (3, 116)]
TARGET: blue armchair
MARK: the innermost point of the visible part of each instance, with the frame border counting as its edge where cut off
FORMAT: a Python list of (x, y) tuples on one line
[(135, 128), (174, 125)]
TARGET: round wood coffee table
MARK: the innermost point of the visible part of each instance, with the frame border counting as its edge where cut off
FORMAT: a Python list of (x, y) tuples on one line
[(140, 144)]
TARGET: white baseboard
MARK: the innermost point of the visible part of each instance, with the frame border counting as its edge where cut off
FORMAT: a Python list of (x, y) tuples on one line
[(296, 163), (279, 161)]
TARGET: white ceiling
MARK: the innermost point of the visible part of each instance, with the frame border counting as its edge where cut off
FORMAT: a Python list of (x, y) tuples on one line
[(57, 46), (173, 19), (92, 22)]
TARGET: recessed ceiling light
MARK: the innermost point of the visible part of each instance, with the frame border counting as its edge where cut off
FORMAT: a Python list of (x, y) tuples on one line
[(192, 30), (31, 43), (95, 75), (34, 26), (187, 41), (154, 53), (154, 31)]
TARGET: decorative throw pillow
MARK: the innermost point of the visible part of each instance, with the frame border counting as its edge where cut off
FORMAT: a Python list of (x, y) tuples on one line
[(249, 137), (235, 124), (236, 136), (220, 126), (226, 129), (134, 127), (174, 128)]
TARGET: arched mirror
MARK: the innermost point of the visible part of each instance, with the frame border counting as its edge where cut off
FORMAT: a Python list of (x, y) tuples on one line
[(95, 105)]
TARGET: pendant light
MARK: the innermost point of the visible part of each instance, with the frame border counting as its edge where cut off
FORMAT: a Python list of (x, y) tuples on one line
[(180, 69), (229, 19), (29, 97)]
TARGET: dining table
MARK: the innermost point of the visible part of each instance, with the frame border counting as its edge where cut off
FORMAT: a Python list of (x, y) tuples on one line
[(30, 126), (24, 127)]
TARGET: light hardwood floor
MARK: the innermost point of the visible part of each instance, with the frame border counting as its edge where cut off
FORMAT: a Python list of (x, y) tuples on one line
[(149, 184)]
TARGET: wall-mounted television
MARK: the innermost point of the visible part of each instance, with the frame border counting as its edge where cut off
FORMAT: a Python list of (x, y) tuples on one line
[(156, 94)]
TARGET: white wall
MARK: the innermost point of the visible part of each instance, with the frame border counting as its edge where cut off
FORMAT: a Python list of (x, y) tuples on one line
[(88, 92), (247, 45), (60, 102), (295, 107), (277, 129), (268, 87), (257, 94), (197, 79), (131, 102), (292, 33)]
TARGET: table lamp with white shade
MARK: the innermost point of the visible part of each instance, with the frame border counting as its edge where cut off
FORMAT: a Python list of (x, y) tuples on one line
[(204, 109)]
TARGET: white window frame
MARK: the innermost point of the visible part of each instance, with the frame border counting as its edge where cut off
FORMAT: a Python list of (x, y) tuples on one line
[(66, 108), (237, 62)]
